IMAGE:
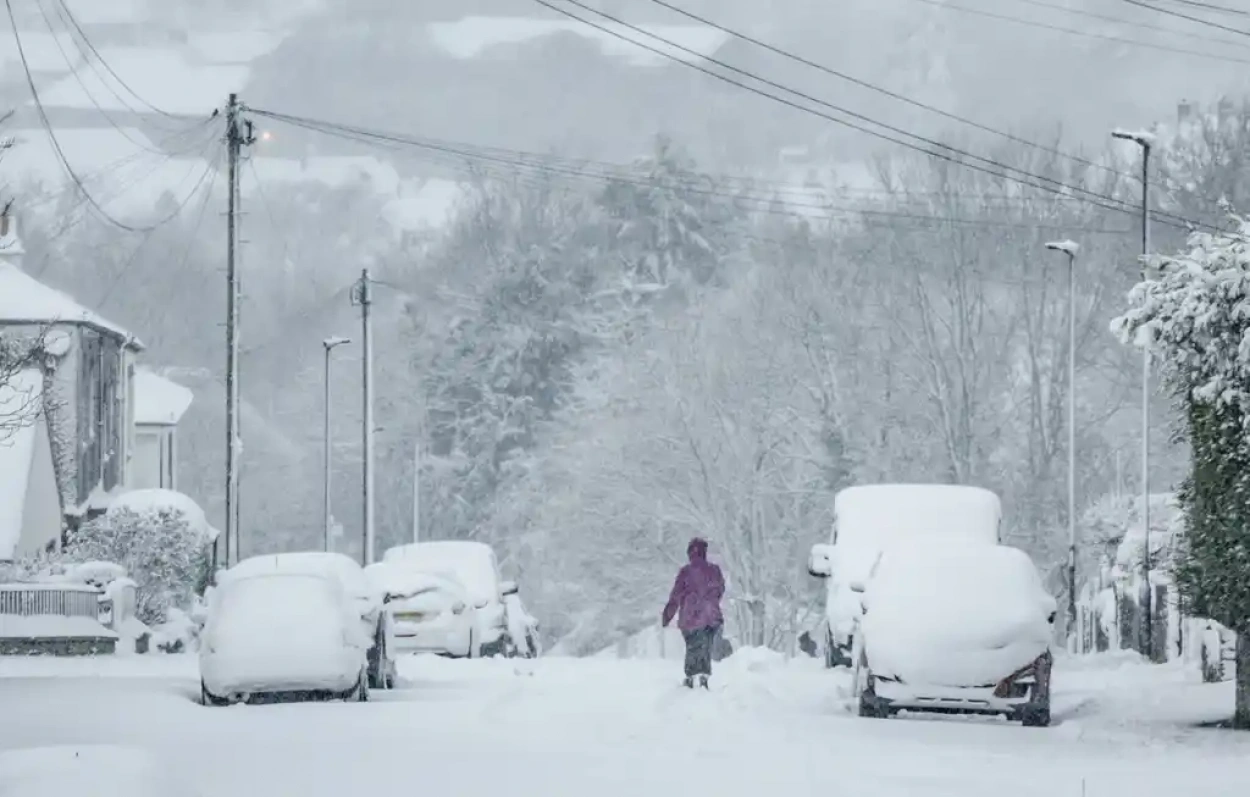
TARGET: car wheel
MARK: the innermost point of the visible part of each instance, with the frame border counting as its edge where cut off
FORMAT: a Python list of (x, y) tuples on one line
[(870, 705), (208, 699), (1035, 716)]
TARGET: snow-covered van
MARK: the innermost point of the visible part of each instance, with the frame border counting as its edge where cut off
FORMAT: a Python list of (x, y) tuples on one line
[(870, 518), (955, 628)]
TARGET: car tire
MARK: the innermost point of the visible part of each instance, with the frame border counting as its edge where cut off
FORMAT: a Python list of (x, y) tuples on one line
[(1035, 716), (870, 705), (209, 699), (836, 655)]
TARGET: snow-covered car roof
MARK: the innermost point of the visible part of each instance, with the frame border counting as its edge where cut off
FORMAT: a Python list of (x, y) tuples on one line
[(396, 579), (268, 610), (871, 517), (350, 575), (473, 563), (102, 769)]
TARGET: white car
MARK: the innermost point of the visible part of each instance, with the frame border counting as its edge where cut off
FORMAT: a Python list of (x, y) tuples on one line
[(869, 518), (280, 634), (955, 628), (359, 588), (430, 612), (88, 769), (473, 564)]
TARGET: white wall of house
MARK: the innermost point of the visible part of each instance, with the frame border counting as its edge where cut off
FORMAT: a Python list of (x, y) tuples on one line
[(41, 518), (152, 463)]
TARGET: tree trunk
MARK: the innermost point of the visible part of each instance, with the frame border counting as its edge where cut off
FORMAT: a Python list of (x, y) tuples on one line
[(1241, 714)]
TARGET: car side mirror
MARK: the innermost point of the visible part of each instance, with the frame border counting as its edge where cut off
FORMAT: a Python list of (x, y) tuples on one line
[(820, 561), (509, 588)]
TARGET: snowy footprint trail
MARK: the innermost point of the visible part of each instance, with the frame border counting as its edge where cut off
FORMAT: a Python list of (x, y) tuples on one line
[(570, 727)]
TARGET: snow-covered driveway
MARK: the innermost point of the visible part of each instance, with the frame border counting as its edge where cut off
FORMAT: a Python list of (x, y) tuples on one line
[(560, 727)]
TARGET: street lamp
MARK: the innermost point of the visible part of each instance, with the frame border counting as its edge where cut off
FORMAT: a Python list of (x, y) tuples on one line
[(330, 344), (1145, 141), (1070, 248)]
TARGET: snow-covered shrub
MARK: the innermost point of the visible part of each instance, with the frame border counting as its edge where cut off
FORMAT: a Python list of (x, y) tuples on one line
[(165, 554)]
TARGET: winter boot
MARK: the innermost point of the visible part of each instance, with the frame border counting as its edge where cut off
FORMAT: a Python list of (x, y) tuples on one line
[(689, 682), (703, 681)]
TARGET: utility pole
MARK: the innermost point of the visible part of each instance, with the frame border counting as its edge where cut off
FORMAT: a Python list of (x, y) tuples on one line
[(330, 344), (1070, 249), (364, 297), (1145, 141), (236, 139), (416, 490)]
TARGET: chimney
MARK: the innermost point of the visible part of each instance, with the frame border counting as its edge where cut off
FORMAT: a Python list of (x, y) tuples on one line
[(1184, 111), (11, 249)]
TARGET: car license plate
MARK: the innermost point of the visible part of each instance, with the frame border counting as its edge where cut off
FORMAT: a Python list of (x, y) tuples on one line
[(409, 617)]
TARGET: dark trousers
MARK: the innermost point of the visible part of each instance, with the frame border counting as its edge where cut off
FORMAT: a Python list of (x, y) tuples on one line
[(699, 650)]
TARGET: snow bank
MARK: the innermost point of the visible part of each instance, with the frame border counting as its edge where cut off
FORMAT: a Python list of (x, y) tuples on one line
[(155, 501), (95, 770), (955, 615)]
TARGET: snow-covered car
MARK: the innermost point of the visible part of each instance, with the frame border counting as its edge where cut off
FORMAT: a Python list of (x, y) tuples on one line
[(474, 565), (869, 519), (430, 612), (289, 635), (359, 588), (955, 628), (87, 769), (522, 626)]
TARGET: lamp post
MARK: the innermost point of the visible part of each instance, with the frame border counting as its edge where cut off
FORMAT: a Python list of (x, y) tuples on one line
[(1145, 141), (330, 344), (1070, 249)]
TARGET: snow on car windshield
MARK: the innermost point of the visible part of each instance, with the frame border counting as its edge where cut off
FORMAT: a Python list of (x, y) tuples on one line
[(471, 562), (961, 595)]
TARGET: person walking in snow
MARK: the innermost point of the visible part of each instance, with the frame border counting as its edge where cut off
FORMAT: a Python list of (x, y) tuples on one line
[(695, 600)]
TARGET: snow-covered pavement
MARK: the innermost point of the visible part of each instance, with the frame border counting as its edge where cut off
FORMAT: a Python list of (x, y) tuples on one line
[(557, 727)]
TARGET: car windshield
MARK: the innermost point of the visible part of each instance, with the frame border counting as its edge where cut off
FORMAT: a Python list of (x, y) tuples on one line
[(276, 601), (349, 574)]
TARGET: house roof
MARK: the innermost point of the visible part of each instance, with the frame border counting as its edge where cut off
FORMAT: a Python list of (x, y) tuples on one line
[(26, 300), (19, 397), (158, 401)]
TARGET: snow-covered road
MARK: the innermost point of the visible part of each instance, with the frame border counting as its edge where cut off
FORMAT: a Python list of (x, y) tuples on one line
[(560, 727)]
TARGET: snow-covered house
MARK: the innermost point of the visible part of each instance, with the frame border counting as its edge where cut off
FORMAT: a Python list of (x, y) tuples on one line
[(159, 405), (67, 412)]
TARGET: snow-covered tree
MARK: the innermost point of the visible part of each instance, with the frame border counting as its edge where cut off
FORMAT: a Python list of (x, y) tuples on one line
[(1195, 318), (19, 403)]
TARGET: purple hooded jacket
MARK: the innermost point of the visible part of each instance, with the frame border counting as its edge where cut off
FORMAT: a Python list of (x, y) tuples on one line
[(696, 594)]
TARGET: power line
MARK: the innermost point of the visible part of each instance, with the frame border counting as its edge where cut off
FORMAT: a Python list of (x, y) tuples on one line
[(1132, 23), (940, 151), (87, 92), (1188, 17), (1075, 32), (56, 145), (1213, 7), (872, 87), (520, 165), (199, 220), (69, 15)]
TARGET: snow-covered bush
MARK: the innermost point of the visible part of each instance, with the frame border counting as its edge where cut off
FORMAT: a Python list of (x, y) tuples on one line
[(161, 547)]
